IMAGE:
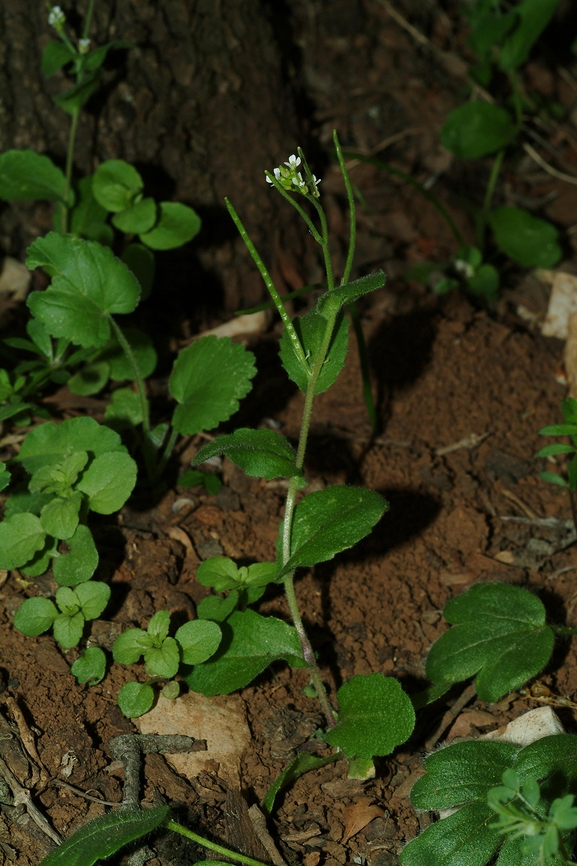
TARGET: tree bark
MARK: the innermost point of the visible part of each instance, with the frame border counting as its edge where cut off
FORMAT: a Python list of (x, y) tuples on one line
[(200, 105)]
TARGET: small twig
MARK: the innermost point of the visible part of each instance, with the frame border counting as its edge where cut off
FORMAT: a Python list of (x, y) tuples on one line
[(473, 440), (467, 695), (526, 509), (22, 798), (258, 821), (27, 740), (560, 175), (543, 522), (80, 793)]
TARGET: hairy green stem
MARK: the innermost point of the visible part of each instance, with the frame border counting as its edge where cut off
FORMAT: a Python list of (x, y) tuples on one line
[(69, 167), (291, 200), (308, 653), (564, 629), (168, 449), (489, 193), (126, 348), (324, 242), (210, 846), (88, 19)]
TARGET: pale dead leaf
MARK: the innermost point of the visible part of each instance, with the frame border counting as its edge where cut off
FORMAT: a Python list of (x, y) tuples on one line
[(358, 815)]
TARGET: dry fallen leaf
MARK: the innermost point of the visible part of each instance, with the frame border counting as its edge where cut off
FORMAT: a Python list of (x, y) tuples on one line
[(358, 815)]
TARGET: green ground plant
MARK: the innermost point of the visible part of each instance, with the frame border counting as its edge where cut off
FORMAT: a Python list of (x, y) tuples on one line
[(500, 636), (568, 428), (90, 208), (491, 124), (231, 643)]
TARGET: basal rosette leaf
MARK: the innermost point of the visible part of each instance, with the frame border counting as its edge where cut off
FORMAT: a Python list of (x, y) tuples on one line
[(499, 633), (375, 716), (93, 596), (329, 521), (250, 643), (68, 629), (105, 835), (163, 661), (208, 379), (88, 284), (261, 453)]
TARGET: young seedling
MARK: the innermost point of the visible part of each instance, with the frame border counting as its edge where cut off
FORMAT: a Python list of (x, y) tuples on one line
[(67, 617), (568, 428), (193, 643)]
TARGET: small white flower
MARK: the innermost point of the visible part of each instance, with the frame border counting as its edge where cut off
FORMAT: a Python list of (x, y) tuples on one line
[(277, 175), (293, 161), (299, 182), (464, 268), (56, 17), (84, 46), (316, 180)]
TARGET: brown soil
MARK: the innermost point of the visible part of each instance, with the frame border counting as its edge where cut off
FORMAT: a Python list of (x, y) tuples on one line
[(462, 395)]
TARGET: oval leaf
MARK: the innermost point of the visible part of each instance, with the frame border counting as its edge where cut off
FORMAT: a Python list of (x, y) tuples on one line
[(329, 521), (198, 640), (109, 481), (261, 453), (90, 667), (135, 699), (35, 616), (79, 564), (311, 330), (51, 443), (27, 175), (476, 129), (250, 643), (177, 225), (115, 185), (21, 536), (528, 240)]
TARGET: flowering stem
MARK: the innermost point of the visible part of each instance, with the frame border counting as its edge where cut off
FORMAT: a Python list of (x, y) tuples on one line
[(294, 337)]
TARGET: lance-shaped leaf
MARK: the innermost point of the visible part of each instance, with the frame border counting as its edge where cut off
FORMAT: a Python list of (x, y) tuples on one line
[(332, 301), (103, 836), (311, 331), (261, 453), (302, 763), (375, 716), (88, 284), (26, 175), (533, 16), (329, 521), (208, 379), (499, 633), (250, 643), (460, 775)]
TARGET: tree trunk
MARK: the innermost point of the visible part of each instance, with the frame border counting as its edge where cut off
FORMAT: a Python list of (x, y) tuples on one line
[(199, 105)]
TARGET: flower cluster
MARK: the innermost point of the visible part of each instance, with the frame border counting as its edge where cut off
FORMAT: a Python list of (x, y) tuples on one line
[(292, 180), (84, 46), (56, 18)]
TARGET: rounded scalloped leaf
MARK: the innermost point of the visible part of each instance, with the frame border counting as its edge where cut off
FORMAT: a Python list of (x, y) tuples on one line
[(135, 699), (375, 716), (35, 616), (208, 379), (51, 443), (499, 633), (177, 225)]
